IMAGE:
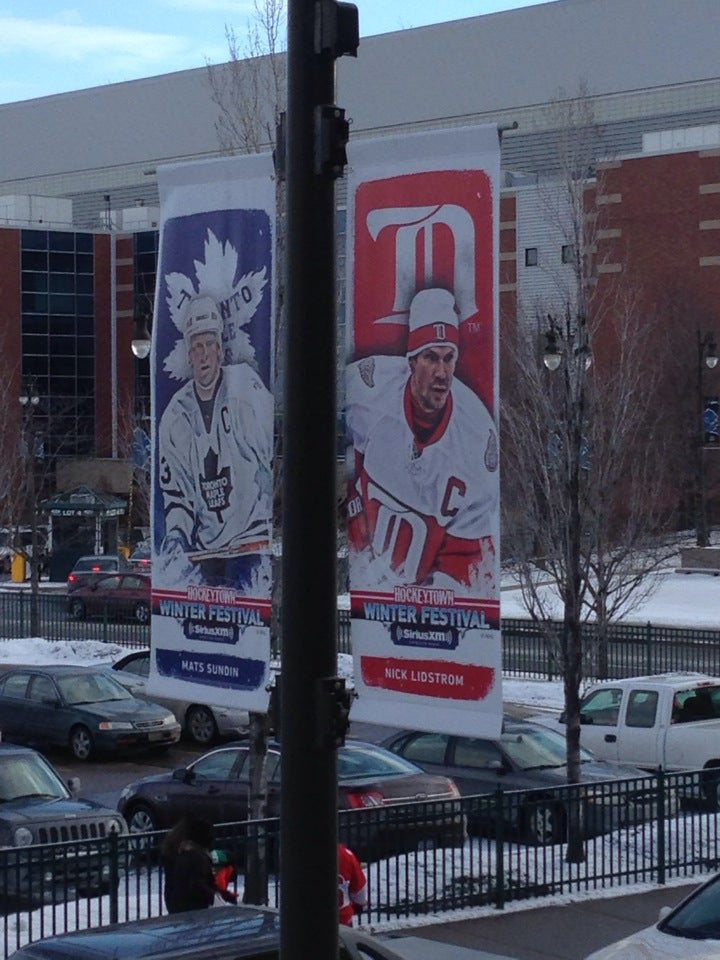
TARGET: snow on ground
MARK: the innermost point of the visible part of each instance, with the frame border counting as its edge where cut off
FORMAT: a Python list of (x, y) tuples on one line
[(680, 600), (691, 600)]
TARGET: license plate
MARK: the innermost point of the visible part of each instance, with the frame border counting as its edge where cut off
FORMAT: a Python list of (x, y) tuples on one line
[(156, 736)]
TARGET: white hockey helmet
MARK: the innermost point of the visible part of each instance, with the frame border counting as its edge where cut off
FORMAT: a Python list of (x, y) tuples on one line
[(433, 321), (202, 316)]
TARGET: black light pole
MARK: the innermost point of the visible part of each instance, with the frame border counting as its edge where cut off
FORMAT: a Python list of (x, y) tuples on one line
[(310, 694), (707, 356), (568, 350), (29, 400)]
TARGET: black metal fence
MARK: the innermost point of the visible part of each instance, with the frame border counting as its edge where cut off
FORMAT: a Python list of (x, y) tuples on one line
[(644, 830), (632, 649), (46, 615)]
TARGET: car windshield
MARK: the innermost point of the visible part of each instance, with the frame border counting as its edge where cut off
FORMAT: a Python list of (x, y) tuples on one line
[(358, 761), (699, 918), (28, 775), (80, 688), (531, 748), (95, 563)]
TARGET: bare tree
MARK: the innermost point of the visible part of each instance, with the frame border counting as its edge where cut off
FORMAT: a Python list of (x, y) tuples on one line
[(32, 437), (583, 457), (250, 90), (250, 93)]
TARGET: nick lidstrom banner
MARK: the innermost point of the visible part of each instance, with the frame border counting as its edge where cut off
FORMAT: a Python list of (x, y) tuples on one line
[(213, 437), (421, 413)]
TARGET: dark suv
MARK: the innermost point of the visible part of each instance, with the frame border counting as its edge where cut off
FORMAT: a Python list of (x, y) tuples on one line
[(37, 809)]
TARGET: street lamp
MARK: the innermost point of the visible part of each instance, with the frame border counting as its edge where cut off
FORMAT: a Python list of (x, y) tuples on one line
[(707, 357), (141, 341), (29, 397)]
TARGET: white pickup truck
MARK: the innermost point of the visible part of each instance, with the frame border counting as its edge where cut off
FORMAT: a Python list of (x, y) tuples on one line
[(669, 721)]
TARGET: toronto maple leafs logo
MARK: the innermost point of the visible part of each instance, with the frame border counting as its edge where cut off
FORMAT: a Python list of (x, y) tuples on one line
[(215, 486), (237, 301)]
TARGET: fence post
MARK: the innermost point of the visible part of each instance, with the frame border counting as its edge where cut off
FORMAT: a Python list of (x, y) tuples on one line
[(648, 648), (548, 654), (661, 786), (499, 849), (114, 878)]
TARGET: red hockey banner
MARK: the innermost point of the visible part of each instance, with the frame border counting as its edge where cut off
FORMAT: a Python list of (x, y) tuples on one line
[(421, 414)]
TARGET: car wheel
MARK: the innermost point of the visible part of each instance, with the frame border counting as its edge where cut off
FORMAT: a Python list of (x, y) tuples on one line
[(142, 612), (543, 823), (141, 819), (77, 609), (81, 743), (200, 725)]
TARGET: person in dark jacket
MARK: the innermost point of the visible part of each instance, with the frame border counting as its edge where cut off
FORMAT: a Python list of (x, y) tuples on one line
[(187, 864)]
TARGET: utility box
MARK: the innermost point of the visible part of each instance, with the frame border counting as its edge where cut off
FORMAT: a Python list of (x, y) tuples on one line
[(17, 568)]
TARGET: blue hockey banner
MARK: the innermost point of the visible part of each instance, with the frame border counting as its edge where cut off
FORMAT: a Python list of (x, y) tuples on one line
[(212, 470)]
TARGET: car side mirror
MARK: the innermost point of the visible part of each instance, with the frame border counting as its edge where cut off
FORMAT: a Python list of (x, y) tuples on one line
[(74, 787), (664, 912), (51, 702), (563, 717), (183, 774)]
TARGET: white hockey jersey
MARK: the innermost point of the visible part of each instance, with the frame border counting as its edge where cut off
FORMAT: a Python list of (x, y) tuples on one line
[(215, 464), (424, 508)]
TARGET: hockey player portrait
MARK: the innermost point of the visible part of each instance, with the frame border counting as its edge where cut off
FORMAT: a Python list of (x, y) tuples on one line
[(215, 450), (424, 449)]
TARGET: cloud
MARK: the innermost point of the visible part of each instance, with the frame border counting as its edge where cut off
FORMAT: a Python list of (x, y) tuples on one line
[(63, 40), (232, 7)]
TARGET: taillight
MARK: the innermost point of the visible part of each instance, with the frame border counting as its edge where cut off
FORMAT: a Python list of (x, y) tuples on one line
[(72, 578), (367, 798)]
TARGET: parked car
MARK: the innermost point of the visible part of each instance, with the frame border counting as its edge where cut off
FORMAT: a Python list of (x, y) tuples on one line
[(117, 596), (37, 808), (200, 722), (668, 720), (90, 565), (370, 779), (689, 931), (225, 933), (141, 557), (528, 756), (83, 708)]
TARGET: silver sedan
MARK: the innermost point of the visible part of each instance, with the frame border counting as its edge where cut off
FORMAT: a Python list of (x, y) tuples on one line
[(203, 723)]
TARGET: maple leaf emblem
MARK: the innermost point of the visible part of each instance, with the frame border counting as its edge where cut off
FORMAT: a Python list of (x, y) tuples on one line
[(237, 298), (215, 486)]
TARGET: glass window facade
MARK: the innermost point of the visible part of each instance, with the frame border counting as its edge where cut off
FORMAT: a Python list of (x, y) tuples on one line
[(146, 258), (58, 337)]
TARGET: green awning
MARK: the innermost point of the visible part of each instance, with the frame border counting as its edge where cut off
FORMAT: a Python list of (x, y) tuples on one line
[(84, 502)]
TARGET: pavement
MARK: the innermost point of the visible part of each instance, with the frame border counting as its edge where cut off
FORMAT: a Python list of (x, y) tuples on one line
[(567, 930)]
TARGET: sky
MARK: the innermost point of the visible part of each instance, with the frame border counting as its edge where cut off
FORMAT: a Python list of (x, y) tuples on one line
[(53, 46)]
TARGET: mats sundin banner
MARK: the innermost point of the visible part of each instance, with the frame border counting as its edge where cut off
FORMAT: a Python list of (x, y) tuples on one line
[(212, 448), (421, 412)]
